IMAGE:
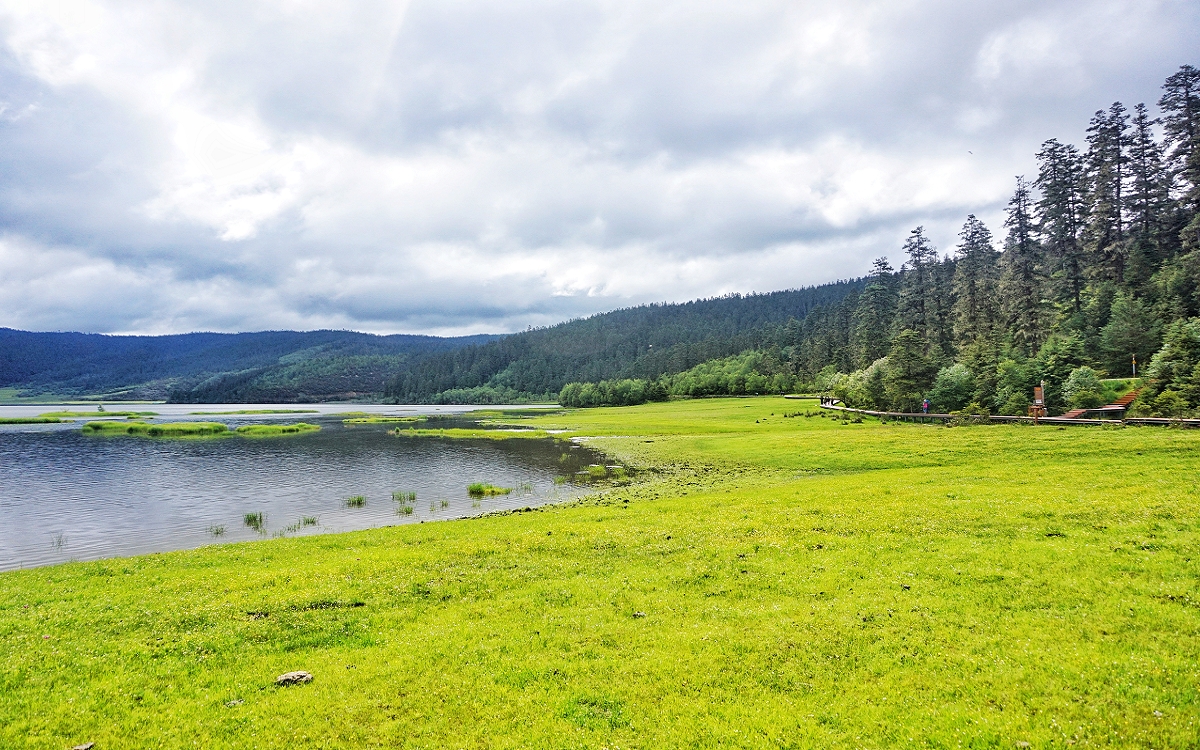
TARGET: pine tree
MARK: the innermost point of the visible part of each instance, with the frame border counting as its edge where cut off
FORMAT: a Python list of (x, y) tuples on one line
[(975, 280), (1105, 163), (1020, 282), (1180, 105), (1060, 217), (1147, 200), (916, 309), (873, 315), (909, 373)]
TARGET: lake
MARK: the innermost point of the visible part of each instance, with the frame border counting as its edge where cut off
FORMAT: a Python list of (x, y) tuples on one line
[(66, 496)]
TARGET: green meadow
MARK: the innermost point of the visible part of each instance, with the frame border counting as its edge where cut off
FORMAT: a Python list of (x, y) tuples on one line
[(766, 581)]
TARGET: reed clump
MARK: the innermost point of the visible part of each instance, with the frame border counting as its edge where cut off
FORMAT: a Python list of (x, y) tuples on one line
[(271, 430), (483, 489), (355, 501), (170, 429), (256, 521)]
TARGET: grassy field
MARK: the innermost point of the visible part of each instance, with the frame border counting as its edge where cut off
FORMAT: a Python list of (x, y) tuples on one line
[(768, 582)]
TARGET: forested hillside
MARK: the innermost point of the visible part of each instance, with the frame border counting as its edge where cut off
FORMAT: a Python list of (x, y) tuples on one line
[(196, 367), (1098, 267), (639, 342)]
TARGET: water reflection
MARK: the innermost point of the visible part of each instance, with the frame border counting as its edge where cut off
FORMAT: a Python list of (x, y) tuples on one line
[(65, 495)]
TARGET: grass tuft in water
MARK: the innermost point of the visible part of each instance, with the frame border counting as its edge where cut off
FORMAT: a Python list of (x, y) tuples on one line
[(170, 429), (29, 420), (272, 430), (404, 510), (405, 497), (217, 530), (355, 501), (255, 521), (308, 520), (483, 489)]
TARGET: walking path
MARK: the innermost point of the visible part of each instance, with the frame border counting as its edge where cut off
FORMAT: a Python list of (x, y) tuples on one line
[(835, 405)]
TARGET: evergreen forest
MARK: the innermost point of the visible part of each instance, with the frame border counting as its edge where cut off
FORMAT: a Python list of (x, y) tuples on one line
[(1094, 276)]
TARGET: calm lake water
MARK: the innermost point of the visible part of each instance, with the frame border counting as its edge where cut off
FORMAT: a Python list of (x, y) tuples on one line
[(69, 496)]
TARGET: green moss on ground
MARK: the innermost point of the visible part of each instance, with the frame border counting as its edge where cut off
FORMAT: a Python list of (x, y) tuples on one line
[(772, 582)]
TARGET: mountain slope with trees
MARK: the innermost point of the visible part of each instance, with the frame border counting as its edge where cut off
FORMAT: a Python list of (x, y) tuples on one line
[(642, 342), (197, 367)]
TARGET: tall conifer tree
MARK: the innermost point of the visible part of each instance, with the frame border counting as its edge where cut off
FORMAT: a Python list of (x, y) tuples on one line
[(916, 310), (1180, 105), (975, 280), (1020, 281), (1105, 161), (1147, 200), (1060, 217), (874, 313)]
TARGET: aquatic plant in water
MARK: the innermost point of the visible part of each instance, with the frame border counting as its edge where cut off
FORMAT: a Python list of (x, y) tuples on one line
[(271, 430), (255, 521), (482, 489), (170, 429), (355, 501)]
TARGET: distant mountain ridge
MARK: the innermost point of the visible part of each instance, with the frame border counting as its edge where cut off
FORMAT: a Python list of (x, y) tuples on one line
[(288, 366), (267, 365), (637, 342)]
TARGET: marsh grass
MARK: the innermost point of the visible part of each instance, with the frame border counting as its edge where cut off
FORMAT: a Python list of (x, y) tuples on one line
[(169, 429), (99, 414), (274, 430), (308, 520), (256, 521), (404, 497), (355, 501), (216, 530), (382, 420), (404, 510), (29, 420), (458, 433), (254, 411), (483, 489)]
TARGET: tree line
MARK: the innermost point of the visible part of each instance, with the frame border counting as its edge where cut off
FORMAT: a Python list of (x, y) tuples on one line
[(1098, 269)]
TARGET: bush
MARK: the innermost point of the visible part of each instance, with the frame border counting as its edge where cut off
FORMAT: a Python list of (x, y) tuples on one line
[(1083, 389), (1170, 404), (952, 388), (611, 393)]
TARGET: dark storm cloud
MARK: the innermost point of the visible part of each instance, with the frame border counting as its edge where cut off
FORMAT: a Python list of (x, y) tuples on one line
[(461, 167)]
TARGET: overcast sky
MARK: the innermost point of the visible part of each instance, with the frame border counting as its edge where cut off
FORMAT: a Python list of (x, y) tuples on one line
[(458, 167)]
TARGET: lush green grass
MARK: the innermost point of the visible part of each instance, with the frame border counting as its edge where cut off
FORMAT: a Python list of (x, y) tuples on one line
[(29, 420), (459, 433), (168, 429), (255, 411), (381, 420), (484, 489), (95, 414), (772, 582), (274, 430)]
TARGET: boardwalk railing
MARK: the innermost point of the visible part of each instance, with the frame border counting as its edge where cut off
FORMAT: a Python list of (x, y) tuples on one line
[(903, 416)]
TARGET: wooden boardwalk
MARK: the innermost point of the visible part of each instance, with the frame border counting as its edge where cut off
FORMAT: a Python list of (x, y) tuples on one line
[(834, 405)]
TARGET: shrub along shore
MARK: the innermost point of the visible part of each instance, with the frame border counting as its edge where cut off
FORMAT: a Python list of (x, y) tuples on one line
[(776, 578)]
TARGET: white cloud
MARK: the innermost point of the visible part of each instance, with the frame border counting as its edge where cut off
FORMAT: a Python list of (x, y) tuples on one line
[(467, 167)]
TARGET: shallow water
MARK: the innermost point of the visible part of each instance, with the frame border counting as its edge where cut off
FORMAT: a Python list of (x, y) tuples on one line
[(68, 496)]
